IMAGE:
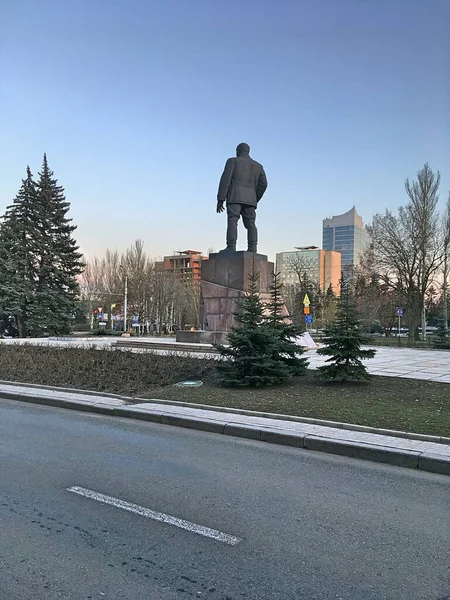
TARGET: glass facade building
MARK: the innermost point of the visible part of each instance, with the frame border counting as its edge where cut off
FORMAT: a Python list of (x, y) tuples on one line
[(346, 234)]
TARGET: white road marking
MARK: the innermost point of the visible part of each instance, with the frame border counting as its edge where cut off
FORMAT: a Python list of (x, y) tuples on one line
[(157, 516)]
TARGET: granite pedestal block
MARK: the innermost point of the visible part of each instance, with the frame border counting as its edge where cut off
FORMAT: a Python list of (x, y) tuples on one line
[(225, 279)]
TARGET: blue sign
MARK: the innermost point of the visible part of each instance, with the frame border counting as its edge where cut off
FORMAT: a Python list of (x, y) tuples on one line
[(309, 319), (135, 319), (399, 311)]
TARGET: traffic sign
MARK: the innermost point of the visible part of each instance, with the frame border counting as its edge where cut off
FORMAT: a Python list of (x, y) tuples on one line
[(399, 311), (309, 319), (306, 301), (306, 310)]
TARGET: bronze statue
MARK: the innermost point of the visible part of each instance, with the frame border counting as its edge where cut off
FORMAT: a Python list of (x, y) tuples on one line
[(242, 186)]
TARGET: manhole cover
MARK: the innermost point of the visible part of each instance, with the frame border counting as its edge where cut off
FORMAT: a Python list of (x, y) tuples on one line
[(189, 384)]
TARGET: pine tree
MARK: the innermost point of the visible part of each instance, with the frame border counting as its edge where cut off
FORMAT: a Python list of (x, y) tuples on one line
[(328, 307), (18, 256), (285, 350), (441, 339), (249, 357), (39, 259), (343, 341), (58, 260)]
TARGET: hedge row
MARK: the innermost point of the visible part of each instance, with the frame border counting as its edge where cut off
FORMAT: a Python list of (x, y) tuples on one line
[(105, 370)]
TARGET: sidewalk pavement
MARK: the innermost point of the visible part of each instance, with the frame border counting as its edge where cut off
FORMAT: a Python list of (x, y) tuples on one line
[(410, 363), (428, 453)]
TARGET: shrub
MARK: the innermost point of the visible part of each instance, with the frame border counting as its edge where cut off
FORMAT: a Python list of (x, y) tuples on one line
[(105, 370)]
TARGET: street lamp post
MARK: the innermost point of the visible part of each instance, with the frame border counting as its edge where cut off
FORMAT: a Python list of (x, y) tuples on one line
[(125, 304), (125, 299), (445, 291)]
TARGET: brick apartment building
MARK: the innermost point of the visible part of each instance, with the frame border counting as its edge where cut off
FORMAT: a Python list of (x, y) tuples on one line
[(185, 263)]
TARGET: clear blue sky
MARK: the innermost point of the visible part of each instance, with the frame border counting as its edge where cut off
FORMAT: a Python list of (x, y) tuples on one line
[(138, 104)]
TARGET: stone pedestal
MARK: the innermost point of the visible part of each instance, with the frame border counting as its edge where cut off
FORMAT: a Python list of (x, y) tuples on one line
[(224, 279)]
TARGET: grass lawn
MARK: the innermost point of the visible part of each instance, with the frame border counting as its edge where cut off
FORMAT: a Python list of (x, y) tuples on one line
[(393, 403)]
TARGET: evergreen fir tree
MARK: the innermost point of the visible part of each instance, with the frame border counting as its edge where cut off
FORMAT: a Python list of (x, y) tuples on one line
[(285, 350), (343, 341), (39, 259), (18, 256), (58, 261), (252, 346), (328, 307), (441, 339)]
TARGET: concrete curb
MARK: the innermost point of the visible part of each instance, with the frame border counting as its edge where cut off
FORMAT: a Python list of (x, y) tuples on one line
[(424, 461), (422, 437), (240, 411), (392, 456), (434, 464)]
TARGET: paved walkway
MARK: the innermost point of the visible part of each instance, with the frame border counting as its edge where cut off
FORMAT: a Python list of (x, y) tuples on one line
[(398, 448), (432, 365)]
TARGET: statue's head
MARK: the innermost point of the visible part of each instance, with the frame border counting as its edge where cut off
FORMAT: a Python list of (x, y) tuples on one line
[(243, 149)]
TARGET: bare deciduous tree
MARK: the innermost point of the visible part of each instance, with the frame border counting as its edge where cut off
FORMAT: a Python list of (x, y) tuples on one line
[(139, 270), (157, 296), (375, 298), (305, 269), (446, 244), (408, 248), (101, 283)]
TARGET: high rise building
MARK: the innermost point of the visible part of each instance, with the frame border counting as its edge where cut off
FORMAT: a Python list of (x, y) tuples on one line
[(319, 266), (346, 234)]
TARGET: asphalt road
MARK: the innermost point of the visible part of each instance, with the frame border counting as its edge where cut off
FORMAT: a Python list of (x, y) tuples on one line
[(307, 525)]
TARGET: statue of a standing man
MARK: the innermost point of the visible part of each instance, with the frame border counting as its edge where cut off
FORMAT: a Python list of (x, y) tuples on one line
[(242, 186)]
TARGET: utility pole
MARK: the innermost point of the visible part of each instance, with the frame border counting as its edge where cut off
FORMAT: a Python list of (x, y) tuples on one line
[(446, 253), (444, 295), (125, 304)]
